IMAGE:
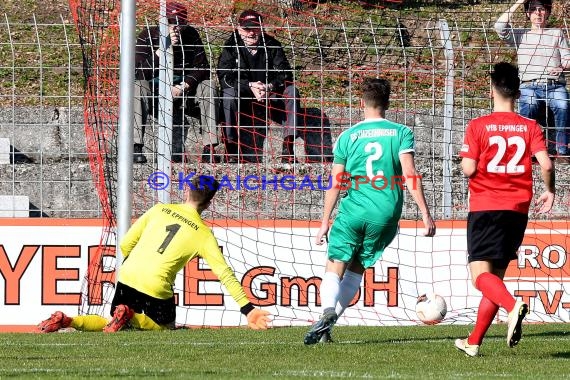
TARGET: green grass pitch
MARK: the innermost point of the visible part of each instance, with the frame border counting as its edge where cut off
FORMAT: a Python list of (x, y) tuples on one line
[(418, 352)]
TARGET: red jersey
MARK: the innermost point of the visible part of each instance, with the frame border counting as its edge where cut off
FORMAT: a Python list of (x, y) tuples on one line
[(502, 143)]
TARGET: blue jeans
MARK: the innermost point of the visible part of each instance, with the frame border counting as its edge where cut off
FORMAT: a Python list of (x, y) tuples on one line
[(555, 97)]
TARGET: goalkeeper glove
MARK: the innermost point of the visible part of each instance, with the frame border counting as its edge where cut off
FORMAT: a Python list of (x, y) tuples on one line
[(257, 319)]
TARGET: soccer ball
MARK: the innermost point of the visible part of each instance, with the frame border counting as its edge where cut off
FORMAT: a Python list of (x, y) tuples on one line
[(431, 308)]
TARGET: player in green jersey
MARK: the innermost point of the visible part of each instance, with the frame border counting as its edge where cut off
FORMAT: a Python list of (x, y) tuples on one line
[(373, 160)]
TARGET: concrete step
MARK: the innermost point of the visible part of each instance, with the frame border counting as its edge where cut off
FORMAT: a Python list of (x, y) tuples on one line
[(63, 189), (4, 151), (50, 166), (14, 206)]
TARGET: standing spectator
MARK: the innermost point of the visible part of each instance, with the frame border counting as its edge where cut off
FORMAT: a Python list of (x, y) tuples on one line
[(543, 55), (193, 92), (156, 247), (496, 157), (256, 78), (366, 157)]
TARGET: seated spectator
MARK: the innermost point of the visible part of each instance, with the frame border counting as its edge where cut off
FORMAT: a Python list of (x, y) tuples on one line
[(192, 91), (543, 55), (257, 81)]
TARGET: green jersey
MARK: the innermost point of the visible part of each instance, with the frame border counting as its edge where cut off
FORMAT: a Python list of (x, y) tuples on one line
[(370, 152)]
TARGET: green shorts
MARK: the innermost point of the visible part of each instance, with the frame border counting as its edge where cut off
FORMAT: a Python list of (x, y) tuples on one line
[(352, 238)]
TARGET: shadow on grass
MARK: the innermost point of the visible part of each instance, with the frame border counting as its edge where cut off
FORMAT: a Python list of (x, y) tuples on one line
[(451, 337), (547, 334)]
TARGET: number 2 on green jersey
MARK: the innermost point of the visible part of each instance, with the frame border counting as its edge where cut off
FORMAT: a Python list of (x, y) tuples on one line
[(375, 152)]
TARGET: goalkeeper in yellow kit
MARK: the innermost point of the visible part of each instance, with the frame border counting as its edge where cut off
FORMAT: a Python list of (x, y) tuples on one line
[(156, 248)]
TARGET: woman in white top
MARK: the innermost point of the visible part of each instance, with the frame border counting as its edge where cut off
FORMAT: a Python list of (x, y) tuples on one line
[(543, 55)]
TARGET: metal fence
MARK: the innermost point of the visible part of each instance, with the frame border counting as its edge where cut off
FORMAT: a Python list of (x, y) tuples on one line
[(437, 67)]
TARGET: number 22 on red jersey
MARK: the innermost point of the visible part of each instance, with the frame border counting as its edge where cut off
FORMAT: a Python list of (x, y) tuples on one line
[(513, 165)]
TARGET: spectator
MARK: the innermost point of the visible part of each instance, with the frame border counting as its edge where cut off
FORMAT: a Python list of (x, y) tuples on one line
[(192, 90), (144, 298), (543, 55), (256, 79)]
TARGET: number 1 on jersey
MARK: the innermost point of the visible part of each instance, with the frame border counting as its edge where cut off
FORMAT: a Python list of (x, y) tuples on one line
[(172, 229)]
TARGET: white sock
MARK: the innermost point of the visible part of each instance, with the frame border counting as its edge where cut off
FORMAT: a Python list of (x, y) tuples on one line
[(329, 290), (348, 287)]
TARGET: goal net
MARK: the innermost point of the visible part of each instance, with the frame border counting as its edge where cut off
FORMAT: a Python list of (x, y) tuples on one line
[(437, 55)]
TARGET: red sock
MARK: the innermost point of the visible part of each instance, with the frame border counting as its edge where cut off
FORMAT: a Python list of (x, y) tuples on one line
[(485, 314), (495, 290)]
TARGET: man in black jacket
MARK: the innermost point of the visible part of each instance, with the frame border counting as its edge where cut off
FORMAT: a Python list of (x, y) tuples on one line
[(192, 90), (257, 81)]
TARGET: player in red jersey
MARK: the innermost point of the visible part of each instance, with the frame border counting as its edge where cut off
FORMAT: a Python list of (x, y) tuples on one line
[(496, 156)]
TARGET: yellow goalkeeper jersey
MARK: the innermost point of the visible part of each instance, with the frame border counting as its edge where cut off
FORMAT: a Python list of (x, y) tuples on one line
[(162, 241)]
